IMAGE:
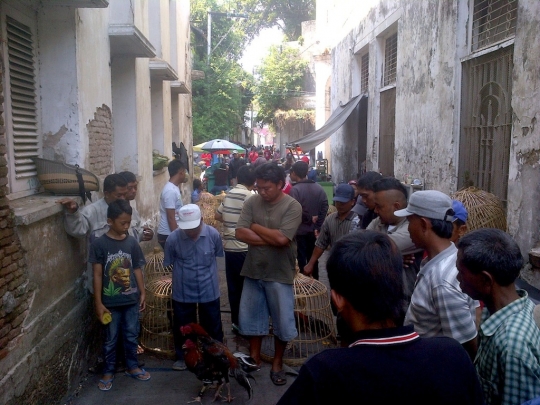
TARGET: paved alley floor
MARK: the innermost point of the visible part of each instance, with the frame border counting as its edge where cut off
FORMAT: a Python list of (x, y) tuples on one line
[(179, 387)]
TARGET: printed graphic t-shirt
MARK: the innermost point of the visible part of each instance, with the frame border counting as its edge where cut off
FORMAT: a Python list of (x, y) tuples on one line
[(117, 257)]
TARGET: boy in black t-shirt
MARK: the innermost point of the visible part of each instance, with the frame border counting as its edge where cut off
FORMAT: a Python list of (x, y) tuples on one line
[(119, 292)]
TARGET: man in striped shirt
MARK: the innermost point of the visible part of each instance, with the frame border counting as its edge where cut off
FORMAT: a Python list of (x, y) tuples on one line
[(438, 306), (235, 251)]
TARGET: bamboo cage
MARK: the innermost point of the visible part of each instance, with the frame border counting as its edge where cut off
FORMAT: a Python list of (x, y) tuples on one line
[(208, 203), (314, 322), (484, 209), (156, 325)]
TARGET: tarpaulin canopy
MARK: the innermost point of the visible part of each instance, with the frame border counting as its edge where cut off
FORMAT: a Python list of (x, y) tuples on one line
[(336, 120)]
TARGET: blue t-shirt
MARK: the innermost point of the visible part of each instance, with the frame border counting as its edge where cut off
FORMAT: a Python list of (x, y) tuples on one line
[(118, 258), (195, 196)]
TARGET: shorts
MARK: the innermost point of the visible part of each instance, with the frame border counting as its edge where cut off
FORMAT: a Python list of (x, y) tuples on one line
[(261, 299)]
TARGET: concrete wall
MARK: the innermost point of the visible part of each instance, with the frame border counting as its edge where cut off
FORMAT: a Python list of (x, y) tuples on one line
[(432, 45), (524, 179), (96, 111)]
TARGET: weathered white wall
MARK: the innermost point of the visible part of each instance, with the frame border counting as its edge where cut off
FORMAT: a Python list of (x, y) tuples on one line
[(524, 178), (124, 112), (426, 144), (432, 44), (93, 69), (60, 124)]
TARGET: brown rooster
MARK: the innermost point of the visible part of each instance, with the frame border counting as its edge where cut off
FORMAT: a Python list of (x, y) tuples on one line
[(211, 361)]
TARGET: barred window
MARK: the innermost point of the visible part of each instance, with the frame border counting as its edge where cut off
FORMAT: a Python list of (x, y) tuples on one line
[(493, 21), (364, 73), (390, 60)]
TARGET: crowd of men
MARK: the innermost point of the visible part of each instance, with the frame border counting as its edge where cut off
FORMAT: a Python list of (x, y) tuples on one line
[(426, 312)]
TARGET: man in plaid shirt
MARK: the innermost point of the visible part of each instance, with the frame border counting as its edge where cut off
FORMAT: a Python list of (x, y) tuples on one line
[(508, 358)]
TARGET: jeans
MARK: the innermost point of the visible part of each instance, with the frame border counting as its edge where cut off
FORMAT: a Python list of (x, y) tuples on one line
[(216, 189), (186, 312), (235, 282), (125, 317), (261, 299), (305, 246)]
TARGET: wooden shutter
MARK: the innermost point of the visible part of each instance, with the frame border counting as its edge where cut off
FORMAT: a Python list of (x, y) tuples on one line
[(22, 85)]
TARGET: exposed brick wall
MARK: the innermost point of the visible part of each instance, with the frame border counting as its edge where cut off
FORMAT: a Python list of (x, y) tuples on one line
[(100, 136), (15, 290)]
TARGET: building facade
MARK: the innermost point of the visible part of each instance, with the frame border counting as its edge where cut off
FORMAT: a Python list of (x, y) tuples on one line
[(452, 96), (100, 84)]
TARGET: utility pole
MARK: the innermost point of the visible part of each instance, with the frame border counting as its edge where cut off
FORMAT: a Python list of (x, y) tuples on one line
[(209, 28)]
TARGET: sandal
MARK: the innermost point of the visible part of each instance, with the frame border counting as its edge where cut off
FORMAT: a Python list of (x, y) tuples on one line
[(278, 377), (106, 385), (141, 375)]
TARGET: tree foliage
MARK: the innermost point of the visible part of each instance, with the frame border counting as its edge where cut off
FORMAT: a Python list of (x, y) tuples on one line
[(280, 78), (219, 101), (222, 98), (288, 15)]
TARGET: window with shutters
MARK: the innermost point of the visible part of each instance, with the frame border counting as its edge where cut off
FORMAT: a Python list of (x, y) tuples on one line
[(20, 102)]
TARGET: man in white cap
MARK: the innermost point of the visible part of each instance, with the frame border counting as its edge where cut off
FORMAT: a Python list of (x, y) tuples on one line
[(192, 250), (438, 306)]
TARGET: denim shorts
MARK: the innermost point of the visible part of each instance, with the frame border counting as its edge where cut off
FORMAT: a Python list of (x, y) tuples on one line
[(261, 299)]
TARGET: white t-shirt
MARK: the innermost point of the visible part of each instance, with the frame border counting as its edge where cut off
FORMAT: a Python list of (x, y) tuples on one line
[(170, 199)]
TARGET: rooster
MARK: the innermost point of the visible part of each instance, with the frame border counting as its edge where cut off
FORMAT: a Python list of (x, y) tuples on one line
[(211, 361)]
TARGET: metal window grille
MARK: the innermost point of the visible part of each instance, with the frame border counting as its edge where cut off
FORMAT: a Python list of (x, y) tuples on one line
[(493, 21), (390, 60), (364, 73), (23, 98), (486, 122)]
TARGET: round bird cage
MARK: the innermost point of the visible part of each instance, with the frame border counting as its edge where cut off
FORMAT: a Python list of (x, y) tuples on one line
[(314, 322), (331, 209), (485, 209), (156, 325), (208, 203), (154, 265)]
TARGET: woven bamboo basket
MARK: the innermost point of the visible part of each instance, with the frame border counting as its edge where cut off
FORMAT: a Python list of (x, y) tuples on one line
[(61, 178), (208, 203), (331, 209), (314, 322), (156, 325), (485, 209)]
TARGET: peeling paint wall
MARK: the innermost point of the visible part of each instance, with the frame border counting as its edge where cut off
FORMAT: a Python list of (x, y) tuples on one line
[(44, 345), (432, 47), (524, 177)]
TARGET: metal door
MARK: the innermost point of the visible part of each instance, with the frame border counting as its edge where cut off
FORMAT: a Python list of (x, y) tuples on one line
[(486, 122)]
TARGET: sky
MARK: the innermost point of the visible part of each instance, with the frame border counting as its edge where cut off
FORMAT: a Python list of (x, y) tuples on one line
[(258, 48)]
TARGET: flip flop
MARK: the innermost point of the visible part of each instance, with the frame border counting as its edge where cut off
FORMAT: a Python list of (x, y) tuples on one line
[(140, 375), (107, 384), (278, 377)]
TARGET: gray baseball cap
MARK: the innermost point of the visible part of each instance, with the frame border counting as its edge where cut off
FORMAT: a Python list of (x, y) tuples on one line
[(429, 204)]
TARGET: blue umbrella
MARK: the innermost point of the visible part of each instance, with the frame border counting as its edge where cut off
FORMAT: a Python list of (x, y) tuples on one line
[(221, 144)]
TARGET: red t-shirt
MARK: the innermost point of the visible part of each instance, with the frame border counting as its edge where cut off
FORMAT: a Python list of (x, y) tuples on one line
[(253, 156)]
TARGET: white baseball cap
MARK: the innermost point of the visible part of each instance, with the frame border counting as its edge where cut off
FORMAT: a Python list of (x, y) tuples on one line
[(189, 216)]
